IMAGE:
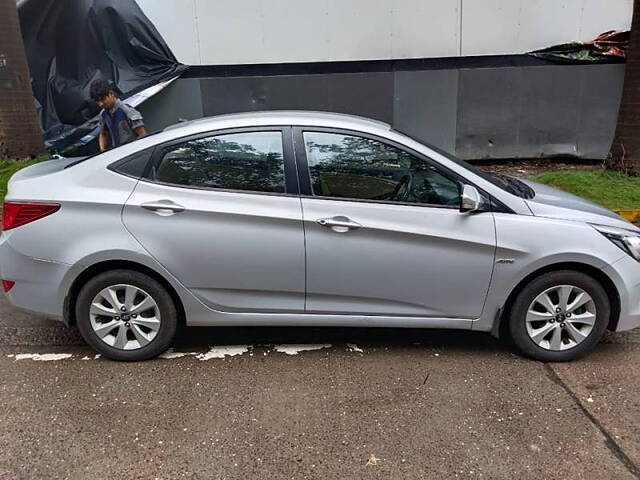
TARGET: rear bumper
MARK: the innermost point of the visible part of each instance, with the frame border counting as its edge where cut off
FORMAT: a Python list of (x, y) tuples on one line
[(625, 273), (36, 280)]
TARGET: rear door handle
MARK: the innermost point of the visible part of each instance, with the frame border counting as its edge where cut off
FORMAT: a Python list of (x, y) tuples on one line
[(339, 224), (163, 207)]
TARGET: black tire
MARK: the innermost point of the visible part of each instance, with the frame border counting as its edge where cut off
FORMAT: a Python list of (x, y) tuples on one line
[(517, 315), (166, 306)]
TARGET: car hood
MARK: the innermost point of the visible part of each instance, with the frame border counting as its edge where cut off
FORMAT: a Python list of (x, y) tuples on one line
[(553, 203)]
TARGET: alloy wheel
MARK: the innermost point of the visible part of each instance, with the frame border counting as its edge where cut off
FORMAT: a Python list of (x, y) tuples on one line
[(124, 317), (561, 317)]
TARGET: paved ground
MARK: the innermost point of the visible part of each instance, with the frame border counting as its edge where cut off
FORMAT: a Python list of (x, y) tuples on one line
[(18, 328), (412, 404)]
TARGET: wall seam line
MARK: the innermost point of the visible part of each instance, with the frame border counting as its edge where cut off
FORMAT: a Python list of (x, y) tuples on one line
[(460, 30), (197, 29)]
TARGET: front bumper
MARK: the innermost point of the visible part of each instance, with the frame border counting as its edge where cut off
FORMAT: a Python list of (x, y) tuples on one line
[(625, 274)]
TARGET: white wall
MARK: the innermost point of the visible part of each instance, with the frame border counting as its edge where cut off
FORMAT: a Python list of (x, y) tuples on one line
[(213, 32), (492, 27)]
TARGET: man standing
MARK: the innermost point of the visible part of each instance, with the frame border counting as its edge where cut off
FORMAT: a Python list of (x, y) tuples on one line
[(119, 123)]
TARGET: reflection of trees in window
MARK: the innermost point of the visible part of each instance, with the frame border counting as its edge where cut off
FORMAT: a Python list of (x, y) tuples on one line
[(348, 151), (353, 167), (217, 162), (356, 167)]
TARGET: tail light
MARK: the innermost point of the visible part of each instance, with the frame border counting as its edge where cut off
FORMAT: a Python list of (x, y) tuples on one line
[(7, 285), (15, 214)]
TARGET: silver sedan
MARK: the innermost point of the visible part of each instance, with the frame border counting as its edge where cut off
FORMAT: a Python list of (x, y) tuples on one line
[(309, 218)]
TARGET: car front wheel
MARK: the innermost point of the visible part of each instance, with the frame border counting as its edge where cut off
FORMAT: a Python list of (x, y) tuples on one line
[(559, 316), (126, 315)]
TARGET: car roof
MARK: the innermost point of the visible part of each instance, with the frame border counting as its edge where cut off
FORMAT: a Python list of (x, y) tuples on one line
[(281, 117)]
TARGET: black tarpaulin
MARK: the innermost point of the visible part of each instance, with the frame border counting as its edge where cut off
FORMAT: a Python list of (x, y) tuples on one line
[(70, 43), (608, 47)]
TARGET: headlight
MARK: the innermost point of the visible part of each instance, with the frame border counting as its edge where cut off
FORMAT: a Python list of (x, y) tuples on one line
[(627, 240)]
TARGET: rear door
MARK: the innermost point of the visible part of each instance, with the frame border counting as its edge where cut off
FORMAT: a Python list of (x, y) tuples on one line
[(221, 212), (384, 233)]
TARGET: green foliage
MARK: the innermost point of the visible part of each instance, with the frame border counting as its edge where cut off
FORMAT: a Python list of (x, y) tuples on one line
[(9, 167), (614, 190)]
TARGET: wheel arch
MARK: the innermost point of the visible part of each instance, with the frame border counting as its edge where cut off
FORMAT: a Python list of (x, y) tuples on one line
[(69, 308), (500, 325)]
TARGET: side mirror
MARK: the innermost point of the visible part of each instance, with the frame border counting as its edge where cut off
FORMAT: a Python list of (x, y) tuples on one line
[(470, 199)]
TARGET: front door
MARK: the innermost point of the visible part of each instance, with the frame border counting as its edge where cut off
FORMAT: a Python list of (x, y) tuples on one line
[(384, 234), (217, 213)]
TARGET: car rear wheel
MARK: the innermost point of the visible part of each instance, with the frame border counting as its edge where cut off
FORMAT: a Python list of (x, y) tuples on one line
[(559, 316), (126, 315)]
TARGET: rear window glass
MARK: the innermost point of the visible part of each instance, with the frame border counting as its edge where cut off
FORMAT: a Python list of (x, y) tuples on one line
[(134, 165), (251, 161)]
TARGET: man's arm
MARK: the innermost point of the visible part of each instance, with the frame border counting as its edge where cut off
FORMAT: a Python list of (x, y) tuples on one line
[(103, 140), (136, 122), (140, 132)]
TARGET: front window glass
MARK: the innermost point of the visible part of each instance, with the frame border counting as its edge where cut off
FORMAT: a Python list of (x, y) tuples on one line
[(346, 166), (250, 161), (505, 182)]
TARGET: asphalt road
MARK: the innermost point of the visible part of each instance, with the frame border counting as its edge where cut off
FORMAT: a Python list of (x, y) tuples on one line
[(412, 404)]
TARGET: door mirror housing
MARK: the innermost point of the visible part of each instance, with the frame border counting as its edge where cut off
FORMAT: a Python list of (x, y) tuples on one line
[(470, 199)]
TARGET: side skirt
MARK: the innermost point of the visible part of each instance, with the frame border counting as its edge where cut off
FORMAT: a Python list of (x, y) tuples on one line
[(321, 320)]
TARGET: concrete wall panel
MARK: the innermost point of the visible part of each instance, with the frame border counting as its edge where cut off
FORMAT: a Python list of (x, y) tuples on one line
[(425, 28), (531, 112), (493, 112), (549, 106), (176, 22), (304, 38), (426, 105), (231, 31), (542, 23), (366, 94), (181, 99), (599, 16), (488, 112), (600, 94), (369, 95), (358, 29), (218, 32), (490, 27), (242, 94)]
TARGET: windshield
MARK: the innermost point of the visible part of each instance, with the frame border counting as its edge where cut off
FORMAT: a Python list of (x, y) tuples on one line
[(505, 182), (510, 184)]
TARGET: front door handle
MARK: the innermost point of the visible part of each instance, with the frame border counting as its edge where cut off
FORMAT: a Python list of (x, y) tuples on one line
[(163, 207), (339, 224)]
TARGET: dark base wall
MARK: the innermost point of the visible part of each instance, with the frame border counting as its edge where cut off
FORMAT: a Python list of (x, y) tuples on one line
[(501, 108)]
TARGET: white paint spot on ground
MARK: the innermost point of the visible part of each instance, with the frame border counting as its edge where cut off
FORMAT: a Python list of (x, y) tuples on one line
[(43, 357), (373, 461), (214, 352), (224, 351), (295, 349), (170, 354), (95, 357)]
